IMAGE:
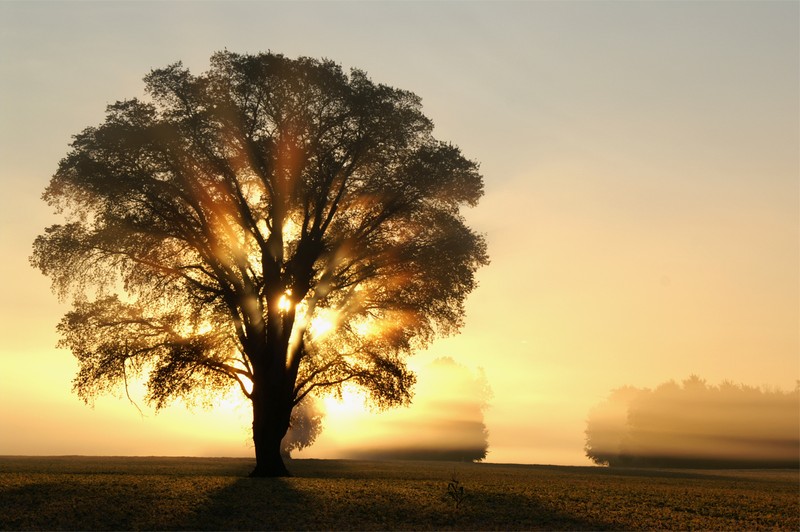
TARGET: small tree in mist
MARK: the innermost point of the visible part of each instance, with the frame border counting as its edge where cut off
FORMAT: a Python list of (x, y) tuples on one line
[(272, 224), (305, 426), (446, 421)]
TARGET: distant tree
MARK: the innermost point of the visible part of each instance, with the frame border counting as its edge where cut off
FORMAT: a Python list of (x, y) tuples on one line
[(696, 425), (305, 426), (607, 426), (274, 223), (446, 421)]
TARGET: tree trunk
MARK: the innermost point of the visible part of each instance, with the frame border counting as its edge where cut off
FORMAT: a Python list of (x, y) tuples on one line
[(270, 424)]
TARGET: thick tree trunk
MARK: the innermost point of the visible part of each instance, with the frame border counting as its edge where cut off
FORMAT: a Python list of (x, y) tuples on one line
[(272, 392), (270, 423)]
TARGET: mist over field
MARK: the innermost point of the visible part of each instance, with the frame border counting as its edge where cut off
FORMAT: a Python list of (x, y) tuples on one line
[(695, 424), (640, 209), (444, 422)]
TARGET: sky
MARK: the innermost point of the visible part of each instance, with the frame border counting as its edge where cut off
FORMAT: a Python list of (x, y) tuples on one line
[(642, 197)]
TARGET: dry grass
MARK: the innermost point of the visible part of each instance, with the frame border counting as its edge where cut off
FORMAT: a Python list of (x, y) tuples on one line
[(214, 494)]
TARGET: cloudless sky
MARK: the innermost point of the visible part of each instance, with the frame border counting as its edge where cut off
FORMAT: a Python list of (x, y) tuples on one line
[(641, 167)]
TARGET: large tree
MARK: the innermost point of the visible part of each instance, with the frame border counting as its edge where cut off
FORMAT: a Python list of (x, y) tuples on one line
[(273, 222)]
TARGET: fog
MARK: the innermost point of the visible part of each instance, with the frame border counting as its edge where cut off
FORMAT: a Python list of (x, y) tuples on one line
[(641, 198), (694, 424), (444, 422)]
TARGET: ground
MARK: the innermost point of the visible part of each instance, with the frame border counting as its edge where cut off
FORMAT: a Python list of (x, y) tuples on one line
[(215, 494)]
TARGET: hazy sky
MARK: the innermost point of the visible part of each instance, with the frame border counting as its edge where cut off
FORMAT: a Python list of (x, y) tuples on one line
[(641, 167)]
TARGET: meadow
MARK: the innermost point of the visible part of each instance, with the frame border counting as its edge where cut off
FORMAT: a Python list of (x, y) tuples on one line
[(93, 493)]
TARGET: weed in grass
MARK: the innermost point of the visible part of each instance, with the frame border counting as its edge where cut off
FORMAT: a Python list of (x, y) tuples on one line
[(456, 491)]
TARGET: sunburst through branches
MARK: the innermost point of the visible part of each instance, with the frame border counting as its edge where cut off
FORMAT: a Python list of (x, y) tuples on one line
[(276, 223)]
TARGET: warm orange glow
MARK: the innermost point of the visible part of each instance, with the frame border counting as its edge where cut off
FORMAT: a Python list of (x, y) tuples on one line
[(641, 206), (363, 328), (284, 304), (349, 407), (444, 413), (323, 323)]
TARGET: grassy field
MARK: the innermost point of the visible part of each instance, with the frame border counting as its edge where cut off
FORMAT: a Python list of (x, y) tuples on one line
[(214, 494)]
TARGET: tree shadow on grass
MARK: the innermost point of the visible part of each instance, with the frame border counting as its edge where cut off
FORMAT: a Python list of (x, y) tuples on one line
[(254, 504), (373, 504), (345, 496)]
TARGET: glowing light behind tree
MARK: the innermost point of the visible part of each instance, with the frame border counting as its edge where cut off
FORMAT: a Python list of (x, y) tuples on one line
[(222, 222)]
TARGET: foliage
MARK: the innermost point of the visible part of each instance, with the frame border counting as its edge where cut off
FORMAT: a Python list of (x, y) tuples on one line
[(304, 428), (272, 222), (694, 424), (80, 493)]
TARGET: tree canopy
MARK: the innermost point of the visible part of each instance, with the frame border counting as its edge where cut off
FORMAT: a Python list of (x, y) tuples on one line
[(273, 222)]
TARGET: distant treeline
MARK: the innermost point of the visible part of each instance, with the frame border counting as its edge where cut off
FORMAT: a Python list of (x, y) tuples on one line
[(696, 425), (442, 440), (424, 454), (445, 421)]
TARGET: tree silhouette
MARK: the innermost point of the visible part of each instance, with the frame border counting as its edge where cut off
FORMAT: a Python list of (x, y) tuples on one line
[(694, 424), (304, 427), (275, 223)]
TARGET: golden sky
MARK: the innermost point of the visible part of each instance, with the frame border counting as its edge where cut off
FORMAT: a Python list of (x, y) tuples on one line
[(642, 209)]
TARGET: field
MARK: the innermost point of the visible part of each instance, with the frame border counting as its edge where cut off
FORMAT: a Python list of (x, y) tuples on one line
[(214, 494)]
